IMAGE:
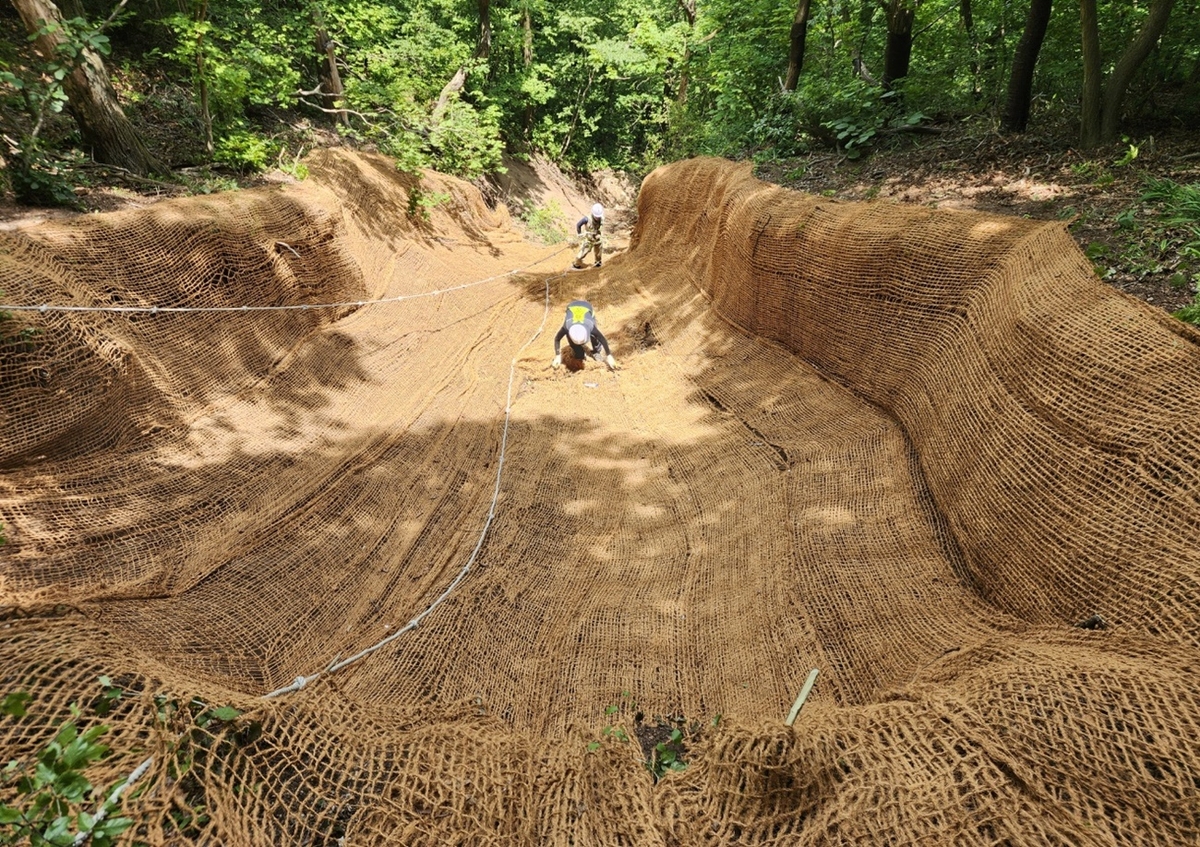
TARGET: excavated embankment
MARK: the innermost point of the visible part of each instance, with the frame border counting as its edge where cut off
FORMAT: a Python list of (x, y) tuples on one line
[(314, 448)]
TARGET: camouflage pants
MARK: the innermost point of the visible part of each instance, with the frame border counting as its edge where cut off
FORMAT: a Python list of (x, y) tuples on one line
[(590, 242)]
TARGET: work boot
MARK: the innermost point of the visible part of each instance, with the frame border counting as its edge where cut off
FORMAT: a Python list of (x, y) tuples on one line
[(596, 265)]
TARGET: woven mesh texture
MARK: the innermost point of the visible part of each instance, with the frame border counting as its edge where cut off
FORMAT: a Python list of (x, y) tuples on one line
[(910, 448)]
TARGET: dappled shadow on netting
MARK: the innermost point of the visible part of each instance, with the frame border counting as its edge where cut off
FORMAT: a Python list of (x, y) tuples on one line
[(776, 479)]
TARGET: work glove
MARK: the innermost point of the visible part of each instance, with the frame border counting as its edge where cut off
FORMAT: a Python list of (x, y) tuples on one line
[(558, 361), (611, 362)]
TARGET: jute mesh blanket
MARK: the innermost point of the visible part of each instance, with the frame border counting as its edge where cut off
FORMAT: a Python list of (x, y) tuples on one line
[(923, 452)]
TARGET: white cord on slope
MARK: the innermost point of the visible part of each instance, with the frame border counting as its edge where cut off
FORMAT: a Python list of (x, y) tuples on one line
[(336, 665), (301, 307), (112, 799), (301, 681)]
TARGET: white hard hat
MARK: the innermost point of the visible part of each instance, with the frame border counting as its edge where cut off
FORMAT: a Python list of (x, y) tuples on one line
[(577, 333), (597, 211)]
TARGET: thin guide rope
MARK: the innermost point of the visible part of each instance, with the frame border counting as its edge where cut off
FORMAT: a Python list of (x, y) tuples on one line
[(337, 665), (294, 307)]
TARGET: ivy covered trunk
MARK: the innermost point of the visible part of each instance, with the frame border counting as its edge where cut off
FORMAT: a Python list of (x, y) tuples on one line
[(103, 125)]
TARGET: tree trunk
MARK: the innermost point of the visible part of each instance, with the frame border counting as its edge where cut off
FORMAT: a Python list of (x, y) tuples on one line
[(93, 102), (898, 52), (527, 57), (1122, 74), (575, 114), (689, 12), (1089, 117), (331, 78), (796, 40), (202, 80), (482, 50), (1020, 81)]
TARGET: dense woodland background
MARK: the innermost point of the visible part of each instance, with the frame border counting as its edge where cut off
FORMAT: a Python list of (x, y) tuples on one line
[(202, 94)]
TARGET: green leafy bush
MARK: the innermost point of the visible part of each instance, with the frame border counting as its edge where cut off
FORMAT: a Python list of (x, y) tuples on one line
[(53, 793), (37, 178), (244, 150), (547, 224)]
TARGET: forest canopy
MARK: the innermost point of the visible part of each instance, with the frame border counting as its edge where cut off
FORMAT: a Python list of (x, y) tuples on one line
[(629, 84)]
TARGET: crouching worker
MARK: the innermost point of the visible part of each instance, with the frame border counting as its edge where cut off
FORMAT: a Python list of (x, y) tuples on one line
[(589, 237), (583, 336)]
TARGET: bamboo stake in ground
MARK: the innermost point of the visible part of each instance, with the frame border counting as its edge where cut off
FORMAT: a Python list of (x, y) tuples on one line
[(808, 684)]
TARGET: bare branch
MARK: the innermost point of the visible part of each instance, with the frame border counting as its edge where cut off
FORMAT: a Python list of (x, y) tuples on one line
[(112, 17)]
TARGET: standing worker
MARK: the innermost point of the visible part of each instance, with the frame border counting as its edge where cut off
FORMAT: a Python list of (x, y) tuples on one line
[(591, 238), (579, 327)]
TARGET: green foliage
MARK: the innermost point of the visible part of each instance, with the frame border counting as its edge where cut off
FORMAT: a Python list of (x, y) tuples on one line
[(614, 730), (51, 801), (1180, 204), (466, 139), (1190, 313), (1159, 234), (37, 178), (15, 704), (1178, 214), (547, 224), (109, 695), (207, 737), (294, 168), (1129, 156), (422, 202), (855, 132), (52, 793), (630, 83), (663, 742), (241, 55), (36, 175), (667, 755), (244, 150)]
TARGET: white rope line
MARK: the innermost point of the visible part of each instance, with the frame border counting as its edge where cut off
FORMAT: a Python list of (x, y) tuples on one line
[(111, 802), (337, 665), (301, 681), (158, 310)]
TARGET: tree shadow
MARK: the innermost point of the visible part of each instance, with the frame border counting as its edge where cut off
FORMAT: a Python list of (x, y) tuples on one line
[(702, 528)]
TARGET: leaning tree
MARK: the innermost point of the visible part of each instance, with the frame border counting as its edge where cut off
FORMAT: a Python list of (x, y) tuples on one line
[(92, 101)]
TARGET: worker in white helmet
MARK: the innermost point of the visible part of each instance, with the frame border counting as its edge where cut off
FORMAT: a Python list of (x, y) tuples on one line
[(583, 336), (590, 238)]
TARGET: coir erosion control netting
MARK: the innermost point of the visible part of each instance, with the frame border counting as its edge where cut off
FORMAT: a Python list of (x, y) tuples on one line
[(923, 452)]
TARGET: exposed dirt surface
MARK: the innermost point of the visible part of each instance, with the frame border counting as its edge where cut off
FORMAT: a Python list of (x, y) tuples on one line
[(550, 202), (1034, 177)]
